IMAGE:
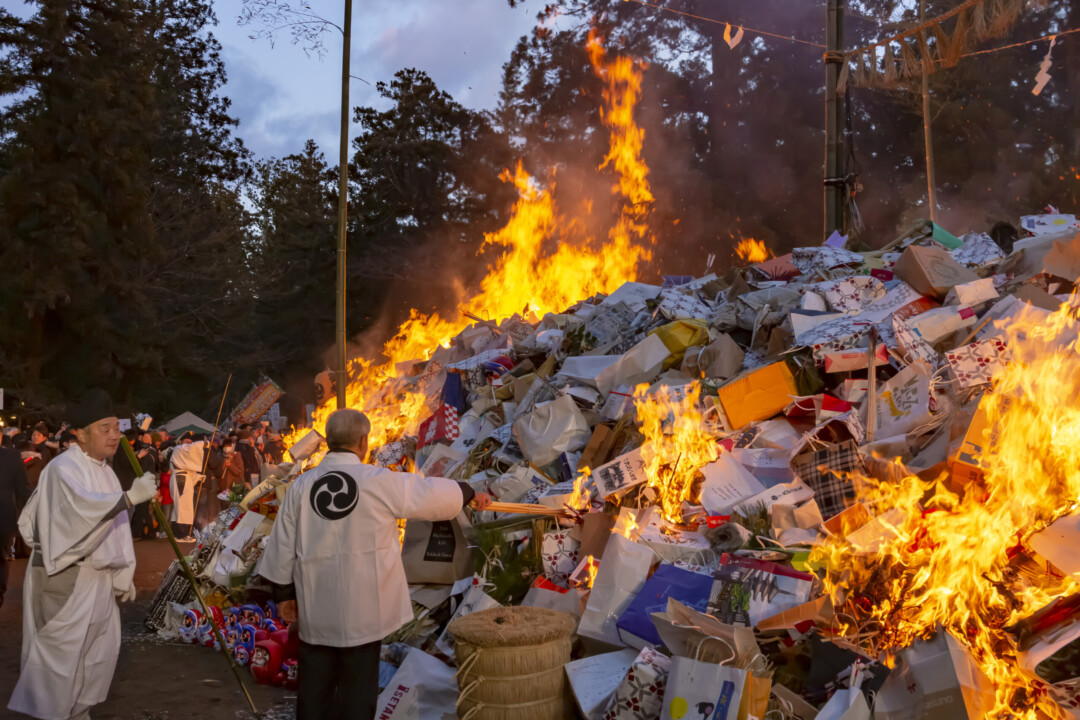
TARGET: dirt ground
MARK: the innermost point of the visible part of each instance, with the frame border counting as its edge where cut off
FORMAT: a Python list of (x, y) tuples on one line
[(155, 680)]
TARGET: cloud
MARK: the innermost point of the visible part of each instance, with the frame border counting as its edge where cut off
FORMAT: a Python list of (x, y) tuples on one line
[(283, 96)]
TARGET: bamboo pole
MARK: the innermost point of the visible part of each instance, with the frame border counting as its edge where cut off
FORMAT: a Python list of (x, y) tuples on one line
[(156, 507), (928, 136), (834, 175), (206, 451), (342, 376)]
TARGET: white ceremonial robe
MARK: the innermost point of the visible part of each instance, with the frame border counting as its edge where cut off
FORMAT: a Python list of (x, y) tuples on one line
[(71, 625), (338, 542)]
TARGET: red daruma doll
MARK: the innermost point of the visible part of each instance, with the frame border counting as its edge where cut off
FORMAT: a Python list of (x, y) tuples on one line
[(266, 661)]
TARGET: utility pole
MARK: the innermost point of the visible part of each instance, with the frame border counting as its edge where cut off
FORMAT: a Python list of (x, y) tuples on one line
[(341, 378), (834, 150), (928, 136)]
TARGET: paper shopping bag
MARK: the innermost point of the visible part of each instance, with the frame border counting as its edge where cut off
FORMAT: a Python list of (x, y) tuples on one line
[(423, 688), (845, 704), (621, 576), (825, 472), (697, 689), (636, 626), (435, 552), (747, 591), (935, 680)]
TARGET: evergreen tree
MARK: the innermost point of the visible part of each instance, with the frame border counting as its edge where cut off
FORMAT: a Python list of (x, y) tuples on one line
[(120, 204), (295, 216)]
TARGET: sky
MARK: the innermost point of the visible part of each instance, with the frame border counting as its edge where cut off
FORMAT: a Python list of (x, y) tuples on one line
[(283, 96)]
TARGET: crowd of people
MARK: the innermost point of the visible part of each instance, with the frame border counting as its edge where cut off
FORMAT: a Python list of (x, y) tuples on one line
[(231, 460)]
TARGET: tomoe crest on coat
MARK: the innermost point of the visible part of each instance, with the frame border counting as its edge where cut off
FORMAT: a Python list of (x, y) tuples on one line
[(334, 495)]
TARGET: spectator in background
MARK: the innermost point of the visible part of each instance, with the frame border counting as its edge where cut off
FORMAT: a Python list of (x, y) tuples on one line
[(13, 494), (32, 460), (120, 464), (142, 521), (39, 438), (232, 471), (275, 448), (245, 448)]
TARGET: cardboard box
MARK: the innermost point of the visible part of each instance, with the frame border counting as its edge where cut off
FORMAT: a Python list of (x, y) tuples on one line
[(964, 461), (931, 271), (758, 394)]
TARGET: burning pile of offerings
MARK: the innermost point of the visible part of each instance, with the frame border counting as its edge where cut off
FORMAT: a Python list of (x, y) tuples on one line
[(839, 483)]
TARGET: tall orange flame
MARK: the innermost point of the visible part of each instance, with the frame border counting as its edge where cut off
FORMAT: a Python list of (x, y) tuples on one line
[(677, 444), (545, 265), (951, 564)]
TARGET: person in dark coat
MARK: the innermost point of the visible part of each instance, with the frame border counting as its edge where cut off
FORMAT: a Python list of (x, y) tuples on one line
[(121, 465), (245, 448), (142, 522), (13, 495)]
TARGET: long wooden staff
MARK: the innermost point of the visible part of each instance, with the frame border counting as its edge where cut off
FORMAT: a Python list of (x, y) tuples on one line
[(206, 450), (156, 507)]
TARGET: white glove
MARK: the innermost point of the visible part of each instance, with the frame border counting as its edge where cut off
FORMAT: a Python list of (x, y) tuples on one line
[(144, 488), (128, 595)]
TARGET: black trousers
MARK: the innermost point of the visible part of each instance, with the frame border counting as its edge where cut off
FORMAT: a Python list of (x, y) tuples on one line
[(142, 524), (337, 683)]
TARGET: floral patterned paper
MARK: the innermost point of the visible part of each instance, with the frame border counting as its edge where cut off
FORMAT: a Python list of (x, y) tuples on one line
[(978, 362), (978, 249), (841, 333), (640, 696), (811, 259), (676, 304), (912, 344), (561, 553), (850, 294)]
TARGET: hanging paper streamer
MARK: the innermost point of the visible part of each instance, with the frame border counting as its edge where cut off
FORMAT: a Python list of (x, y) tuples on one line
[(732, 41), (1044, 69)]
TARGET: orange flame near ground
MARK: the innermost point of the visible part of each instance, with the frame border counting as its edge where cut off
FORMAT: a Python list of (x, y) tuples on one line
[(752, 250), (545, 266), (677, 444), (941, 568)]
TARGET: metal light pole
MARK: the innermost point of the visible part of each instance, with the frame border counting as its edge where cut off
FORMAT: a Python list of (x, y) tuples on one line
[(341, 378)]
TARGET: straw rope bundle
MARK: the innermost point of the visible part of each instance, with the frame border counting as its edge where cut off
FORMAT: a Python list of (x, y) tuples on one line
[(510, 664)]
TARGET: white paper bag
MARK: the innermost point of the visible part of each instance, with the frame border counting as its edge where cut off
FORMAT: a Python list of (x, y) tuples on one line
[(699, 689), (552, 429), (903, 403), (423, 688), (845, 704), (727, 483), (935, 680), (622, 574)]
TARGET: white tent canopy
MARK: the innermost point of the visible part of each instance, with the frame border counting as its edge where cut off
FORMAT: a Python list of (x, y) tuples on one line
[(188, 421)]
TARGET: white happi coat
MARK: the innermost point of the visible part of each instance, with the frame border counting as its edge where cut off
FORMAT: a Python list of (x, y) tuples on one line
[(336, 538), (68, 661)]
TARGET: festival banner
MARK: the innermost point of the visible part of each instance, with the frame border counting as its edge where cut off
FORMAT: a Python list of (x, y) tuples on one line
[(257, 402)]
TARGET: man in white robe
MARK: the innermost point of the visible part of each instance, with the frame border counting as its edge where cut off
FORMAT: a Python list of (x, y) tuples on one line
[(334, 547), (76, 523)]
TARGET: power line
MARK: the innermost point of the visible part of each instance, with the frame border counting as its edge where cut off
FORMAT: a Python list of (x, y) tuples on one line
[(722, 22), (1021, 44)]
